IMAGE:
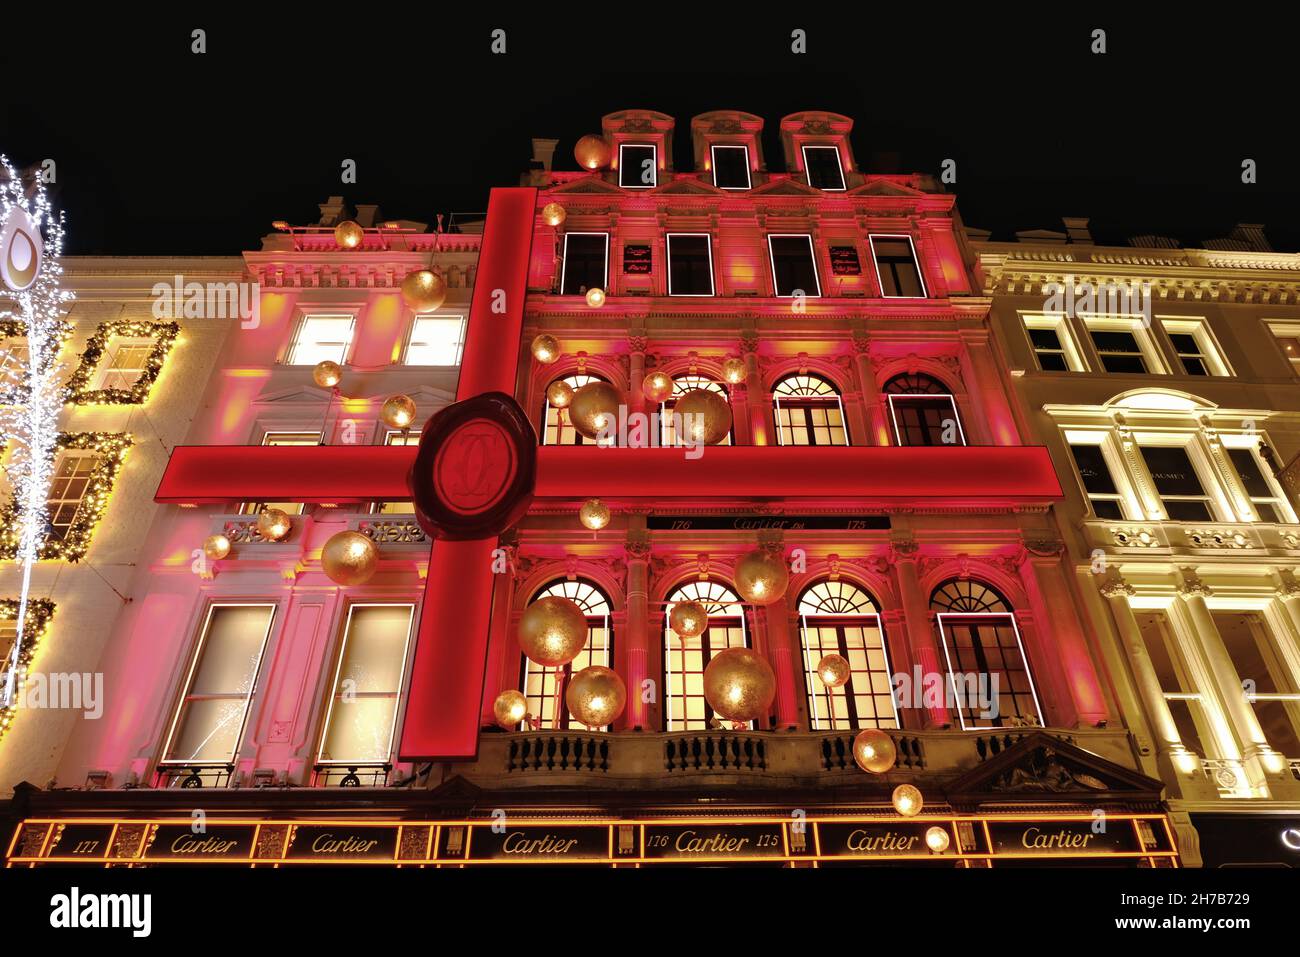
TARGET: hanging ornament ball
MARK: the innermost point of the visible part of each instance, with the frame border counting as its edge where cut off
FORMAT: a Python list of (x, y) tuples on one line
[(216, 547), (349, 558), (559, 394), (594, 407), (398, 411), (595, 297), (546, 349), (907, 800), (710, 413), (273, 524), (327, 374), (596, 696), (739, 685), (348, 234), (874, 751), (833, 670), (688, 618), (552, 631), (657, 387), (733, 370), (762, 577), (592, 152), (594, 514), (553, 214), (509, 709), (937, 839), (424, 290)]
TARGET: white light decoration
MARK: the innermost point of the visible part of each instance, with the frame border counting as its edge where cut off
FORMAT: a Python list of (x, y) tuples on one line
[(31, 425)]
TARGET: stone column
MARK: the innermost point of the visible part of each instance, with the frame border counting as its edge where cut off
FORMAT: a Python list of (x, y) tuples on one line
[(760, 431), (921, 637), (780, 654), (635, 639), (873, 406), (636, 347), (984, 386), (499, 638)]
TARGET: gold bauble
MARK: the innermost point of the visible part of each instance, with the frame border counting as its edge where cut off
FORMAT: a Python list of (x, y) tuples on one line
[(553, 214), (734, 371), (509, 709), (349, 558), (424, 290), (761, 577), (552, 631), (594, 514), (907, 800), (546, 349), (327, 374), (348, 234), (592, 152), (739, 685), (594, 407), (398, 411), (596, 696), (559, 394), (688, 618), (657, 387), (273, 524), (216, 547), (711, 416), (595, 297), (874, 751), (833, 670), (937, 839)]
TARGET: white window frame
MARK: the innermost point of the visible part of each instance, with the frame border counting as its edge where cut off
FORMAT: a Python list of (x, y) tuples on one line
[(1136, 325), (104, 368), (713, 161), (291, 358), (839, 161), (1285, 330), (812, 252), (1106, 440), (1024, 660), (654, 147), (817, 721), (708, 239), (1074, 361), (1250, 442), (952, 400), (564, 262), (436, 317), (916, 260), (1202, 463), (1199, 330)]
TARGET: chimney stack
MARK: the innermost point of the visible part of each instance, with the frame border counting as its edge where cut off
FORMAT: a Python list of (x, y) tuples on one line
[(1076, 228), (333, 211), (544, 152)]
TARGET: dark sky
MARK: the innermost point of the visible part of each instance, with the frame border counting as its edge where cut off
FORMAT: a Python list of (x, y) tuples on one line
[(162, 151)]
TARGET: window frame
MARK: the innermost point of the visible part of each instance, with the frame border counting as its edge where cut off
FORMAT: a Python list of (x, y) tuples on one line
[(1104, 439), (956, 415), (1211, 355), (806, 403), (290, 358), (563, 674), (916, 261), (1249, 443), (564, 262), (1280, 330), (941, 617), (436, 317), (668, 255), (812, 257), (1134, 325), (713, 162), (1215, 495), (654, 148), (838, 620), (1074, 360), (666, 632), (839, 162)]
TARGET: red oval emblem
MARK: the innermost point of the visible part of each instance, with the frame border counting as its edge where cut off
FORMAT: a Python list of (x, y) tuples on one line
[(474, 467)]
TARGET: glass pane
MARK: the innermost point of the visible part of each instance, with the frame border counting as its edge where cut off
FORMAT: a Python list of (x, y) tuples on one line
[(731, 167), (823, 166), (436, 341), (1252, 479), (1094, 471), (584, 263), (636, 167), (374, 652), (792, 265), (1172, 471), (321, 338), (361, 729), (209, 730), (231, 651)]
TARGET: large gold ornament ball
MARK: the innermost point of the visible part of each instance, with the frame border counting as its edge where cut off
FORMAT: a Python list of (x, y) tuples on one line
[(594, 407), (553, 214), (273, 524), (833, 670), (559, 394), (734, 371), (398, 411), (216, 547), (710, 416), (907, 800), (546, 349), (739, 685), (762, 577), (327, 374), (592, 152), (594, 514), (595, 297), (509, 708), (348, 234), (424, 290), (874, 751), (552, 631), (596, 696), (349, 558), (688, 618), (657, 387)]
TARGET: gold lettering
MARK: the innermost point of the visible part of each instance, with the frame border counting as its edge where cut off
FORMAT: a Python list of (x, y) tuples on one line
[(863, 841), (328, 844), (189, 844), (717, 843), (1064, 839), (518, 843)]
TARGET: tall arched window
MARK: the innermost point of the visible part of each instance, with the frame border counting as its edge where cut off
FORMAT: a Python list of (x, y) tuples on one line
[(838, 617), (989, 677), (558, 429), (808, 412), (544, 687), (681, 385), (923, 411), (684, 658)]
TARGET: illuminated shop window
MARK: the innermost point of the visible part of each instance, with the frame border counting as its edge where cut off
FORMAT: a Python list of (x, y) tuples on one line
[(681, 385), (559, 430), (987, 670), (1053, 345), (545, 687), (1186, 703), (822, 164), (362, 713), (1264, 677), (685, 658), (1098, 480), (209, 723), (897, 270), (838, 617), (1178, 482), (282, 438), (436, 341), (1198, 353), (638, 165), (320, 338), (923, 411), (808, 412), (395, 437), (690, 264), (794, 266), (586, 263), (730, 166)]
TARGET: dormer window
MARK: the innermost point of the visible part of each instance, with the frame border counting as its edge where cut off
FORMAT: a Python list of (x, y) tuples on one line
[(638, 166), (730, 167), (822, 164)]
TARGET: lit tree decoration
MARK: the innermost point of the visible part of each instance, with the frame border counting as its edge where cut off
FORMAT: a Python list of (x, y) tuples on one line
[(31, 427)]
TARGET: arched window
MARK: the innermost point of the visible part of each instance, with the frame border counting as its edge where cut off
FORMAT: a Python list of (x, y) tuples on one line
[(923, 411), (989, 678), (681, 385), (559, 430), (808, 412), (838, 617), (544, 687), (684, 658)]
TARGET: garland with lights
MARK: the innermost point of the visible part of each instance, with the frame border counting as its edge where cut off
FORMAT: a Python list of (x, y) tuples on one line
[(164, 335), (36, 622), (16, 329)]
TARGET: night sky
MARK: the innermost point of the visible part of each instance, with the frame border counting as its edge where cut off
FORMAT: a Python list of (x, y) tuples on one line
[(160, 151)]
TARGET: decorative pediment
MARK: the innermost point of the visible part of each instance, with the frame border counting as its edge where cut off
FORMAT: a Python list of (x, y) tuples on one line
[(296, 395), (785, 187), (688, 187), (885, 187), (587, 185)]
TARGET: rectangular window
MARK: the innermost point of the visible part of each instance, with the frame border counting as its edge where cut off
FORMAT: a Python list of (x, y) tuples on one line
[(1266, 499), (794, 267), (1098, 482), (320, 338), (126, 362), (367, 685), (730, 167), (690, 264), (541, 683), (867, 700), (586, 263), (925, 420), (1264, 677), (14, 359), (1185, 703), (68, 484), (1189, 353), (209, 724), (638, 166), (282, 438), (436, 341), (1197, 351), (1053, 345), (1177, 483), (822, 164), (1290, 345), (987, 672), (896, 267), (687, 709), (1118, 350)]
